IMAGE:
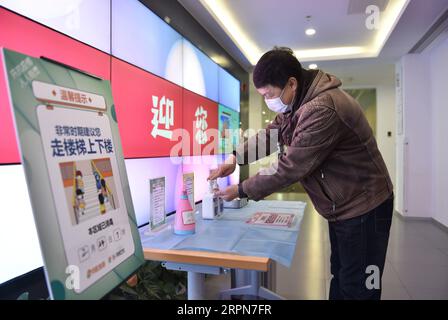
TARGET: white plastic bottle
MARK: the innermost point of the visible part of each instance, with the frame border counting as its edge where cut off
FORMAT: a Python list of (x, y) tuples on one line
[(212, 205)]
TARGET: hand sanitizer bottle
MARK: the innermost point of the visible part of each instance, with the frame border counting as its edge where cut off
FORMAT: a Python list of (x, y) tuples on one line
[(220, 200), (211, 204), (184, 222)]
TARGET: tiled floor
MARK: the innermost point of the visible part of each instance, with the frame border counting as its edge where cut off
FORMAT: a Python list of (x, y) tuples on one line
[(416, 266)]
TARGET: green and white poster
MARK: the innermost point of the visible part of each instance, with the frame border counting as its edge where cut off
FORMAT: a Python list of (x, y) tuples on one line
[(229, 124), (71, 151)]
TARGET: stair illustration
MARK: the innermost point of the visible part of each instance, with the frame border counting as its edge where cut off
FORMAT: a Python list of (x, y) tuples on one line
[(92, 208)]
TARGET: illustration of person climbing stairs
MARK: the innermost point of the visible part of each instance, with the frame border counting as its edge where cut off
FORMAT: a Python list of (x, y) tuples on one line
[(92, 195)]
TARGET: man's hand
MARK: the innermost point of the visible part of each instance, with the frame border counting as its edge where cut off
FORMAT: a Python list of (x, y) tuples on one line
[(225, 169), (229, 193)]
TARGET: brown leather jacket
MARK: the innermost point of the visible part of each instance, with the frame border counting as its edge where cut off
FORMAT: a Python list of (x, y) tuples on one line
[(330, 149)]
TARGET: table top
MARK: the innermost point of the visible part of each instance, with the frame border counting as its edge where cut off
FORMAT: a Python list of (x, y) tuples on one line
[(207, 258), (154, 247)]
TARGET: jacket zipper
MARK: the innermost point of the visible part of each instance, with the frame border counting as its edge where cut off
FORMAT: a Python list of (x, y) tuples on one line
[(328, 190)]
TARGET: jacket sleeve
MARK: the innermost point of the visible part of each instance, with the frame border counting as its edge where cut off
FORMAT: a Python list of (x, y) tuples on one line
[(314, 138), (259, 145)]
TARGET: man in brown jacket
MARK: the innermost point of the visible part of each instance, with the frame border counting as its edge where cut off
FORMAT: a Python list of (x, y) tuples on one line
[(331, 151)]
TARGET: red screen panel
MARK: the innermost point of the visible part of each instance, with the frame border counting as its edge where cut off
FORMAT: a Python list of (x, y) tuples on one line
[(9, 151), (201, 122), (28, 37), (149, 111)]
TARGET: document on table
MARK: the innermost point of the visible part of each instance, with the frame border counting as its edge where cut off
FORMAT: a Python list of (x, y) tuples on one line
[(271, 219)]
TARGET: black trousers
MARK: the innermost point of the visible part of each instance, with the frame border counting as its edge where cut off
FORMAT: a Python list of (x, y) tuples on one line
[(358, 254)]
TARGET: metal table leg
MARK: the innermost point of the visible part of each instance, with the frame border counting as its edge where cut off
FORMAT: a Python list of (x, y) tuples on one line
[(253, 289), (195, 285), (196, 277)]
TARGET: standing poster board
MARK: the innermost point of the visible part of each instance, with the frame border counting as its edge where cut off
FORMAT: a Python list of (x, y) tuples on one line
[(188, 183), (157, 197), (73, 160)]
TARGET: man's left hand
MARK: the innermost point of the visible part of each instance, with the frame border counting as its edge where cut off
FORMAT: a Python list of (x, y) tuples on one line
[(229, 193)]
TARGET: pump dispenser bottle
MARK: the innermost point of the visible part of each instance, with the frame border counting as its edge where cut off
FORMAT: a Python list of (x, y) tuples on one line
[(184, 221), (212, 205)]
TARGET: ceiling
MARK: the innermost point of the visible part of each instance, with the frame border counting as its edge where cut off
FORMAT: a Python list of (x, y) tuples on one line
[(247, 28)]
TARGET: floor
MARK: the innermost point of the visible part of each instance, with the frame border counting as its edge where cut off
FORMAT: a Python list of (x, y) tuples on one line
[(416, 266)]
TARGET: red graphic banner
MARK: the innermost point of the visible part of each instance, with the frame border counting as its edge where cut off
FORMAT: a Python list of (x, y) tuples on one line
[(149, 111)]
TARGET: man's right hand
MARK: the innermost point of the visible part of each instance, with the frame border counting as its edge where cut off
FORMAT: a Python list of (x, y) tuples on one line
[(225, 169)]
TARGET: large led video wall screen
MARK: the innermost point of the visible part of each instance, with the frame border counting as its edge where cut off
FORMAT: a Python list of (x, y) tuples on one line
[(163, 86)]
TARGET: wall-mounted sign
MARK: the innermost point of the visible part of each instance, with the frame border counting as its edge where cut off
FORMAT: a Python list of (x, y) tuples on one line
[(188, 184)]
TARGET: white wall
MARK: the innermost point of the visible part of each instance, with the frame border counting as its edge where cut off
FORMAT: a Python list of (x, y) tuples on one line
[(416, 191), (438, 58), (425, 157), (385, 122)]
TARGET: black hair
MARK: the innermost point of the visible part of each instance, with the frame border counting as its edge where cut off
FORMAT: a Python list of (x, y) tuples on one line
[(101, 198), (103, 183), (79, 192), (275, 67)]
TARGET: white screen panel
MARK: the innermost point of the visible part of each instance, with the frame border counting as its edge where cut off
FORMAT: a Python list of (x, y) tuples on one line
[(140, 171), (85, 20), (140, 37), (19, 244)]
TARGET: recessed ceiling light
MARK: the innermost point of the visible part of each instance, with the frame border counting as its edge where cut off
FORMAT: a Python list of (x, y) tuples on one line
[(266, 121), (264, 112), (312, 66), (310, 32)]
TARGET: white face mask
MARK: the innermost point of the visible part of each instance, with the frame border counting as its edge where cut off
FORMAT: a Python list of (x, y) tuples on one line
[(276, 104)]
